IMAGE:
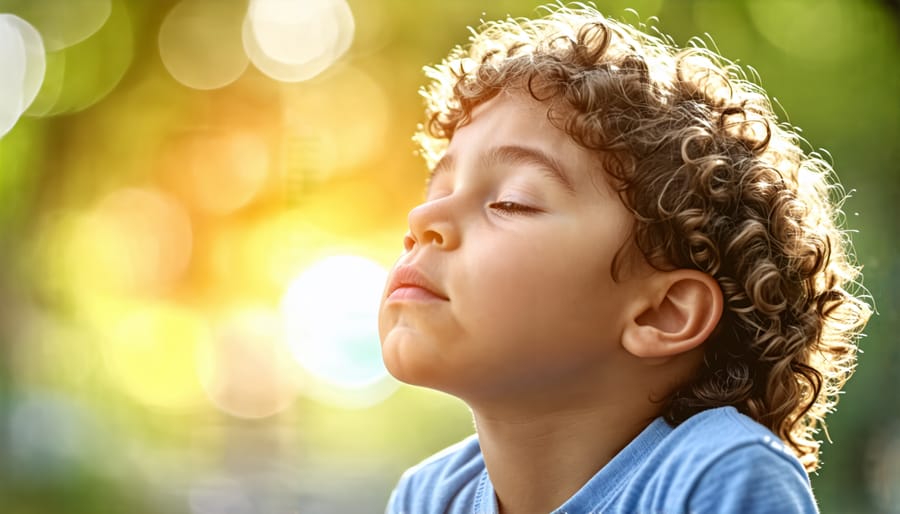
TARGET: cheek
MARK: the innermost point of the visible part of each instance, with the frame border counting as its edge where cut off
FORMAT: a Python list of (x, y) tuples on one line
[(539, 297)]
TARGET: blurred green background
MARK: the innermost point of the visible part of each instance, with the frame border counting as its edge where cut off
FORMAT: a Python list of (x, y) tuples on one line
[(199, 204)]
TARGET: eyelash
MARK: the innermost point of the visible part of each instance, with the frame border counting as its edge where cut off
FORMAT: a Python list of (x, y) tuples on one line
[(507, 207)]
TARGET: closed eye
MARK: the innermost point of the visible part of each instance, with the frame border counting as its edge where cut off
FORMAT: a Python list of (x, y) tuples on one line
[(512, 208)]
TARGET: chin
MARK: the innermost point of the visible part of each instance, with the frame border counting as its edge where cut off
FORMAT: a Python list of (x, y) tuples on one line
[(396, 361), (409, 367)]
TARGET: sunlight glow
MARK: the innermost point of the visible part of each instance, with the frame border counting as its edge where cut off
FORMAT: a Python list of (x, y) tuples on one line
[(219, 171), (200, 43), (270, 251), (137, 239), (295, 40), (150, 353), (331, 319), (317, 113)]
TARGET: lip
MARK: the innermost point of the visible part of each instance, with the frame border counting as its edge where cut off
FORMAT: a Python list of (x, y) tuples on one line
[(408, 283)]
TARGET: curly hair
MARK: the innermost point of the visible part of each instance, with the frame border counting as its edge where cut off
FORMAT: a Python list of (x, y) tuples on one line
[(715, 184)]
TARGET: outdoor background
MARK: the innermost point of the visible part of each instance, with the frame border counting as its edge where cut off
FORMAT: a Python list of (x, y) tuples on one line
[(199, 204)]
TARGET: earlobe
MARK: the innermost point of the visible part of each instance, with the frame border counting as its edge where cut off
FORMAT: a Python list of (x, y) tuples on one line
[(679, 317)]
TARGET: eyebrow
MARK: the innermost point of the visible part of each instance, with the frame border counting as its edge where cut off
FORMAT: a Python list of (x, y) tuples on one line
[(509, 155)]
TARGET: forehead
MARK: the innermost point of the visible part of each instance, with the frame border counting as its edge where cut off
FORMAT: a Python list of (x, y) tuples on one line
[(515, 120), (512, 116)]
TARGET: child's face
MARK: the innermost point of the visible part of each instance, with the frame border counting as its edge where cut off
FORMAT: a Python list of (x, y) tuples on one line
[(517, 260)]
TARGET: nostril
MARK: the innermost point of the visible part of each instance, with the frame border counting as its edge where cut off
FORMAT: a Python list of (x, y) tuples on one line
[(434, 237), (408, 242)]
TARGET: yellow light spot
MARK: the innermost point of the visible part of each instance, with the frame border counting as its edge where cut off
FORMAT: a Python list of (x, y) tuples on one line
[(150, 354), (136, 240), (271, 249), (219, 172), (319, 141)]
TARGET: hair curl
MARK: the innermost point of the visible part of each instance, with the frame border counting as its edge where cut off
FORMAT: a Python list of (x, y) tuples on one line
[(715, 184)]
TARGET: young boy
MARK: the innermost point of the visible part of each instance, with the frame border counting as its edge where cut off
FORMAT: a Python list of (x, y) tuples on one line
[(628, 270)]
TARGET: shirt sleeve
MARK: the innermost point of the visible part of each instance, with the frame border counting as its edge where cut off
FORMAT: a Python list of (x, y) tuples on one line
[(397, 503), (753, 479)]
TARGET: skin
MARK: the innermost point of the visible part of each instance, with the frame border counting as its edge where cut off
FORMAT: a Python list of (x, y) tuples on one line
[(519, 315)]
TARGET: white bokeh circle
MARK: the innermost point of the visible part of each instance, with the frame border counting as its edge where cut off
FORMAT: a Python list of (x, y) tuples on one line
[(13, 62), (295, 40), (331, 320), (35, 58), (200, 43)]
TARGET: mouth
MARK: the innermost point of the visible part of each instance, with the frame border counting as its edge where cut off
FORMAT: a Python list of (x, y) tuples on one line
[(408, 283)]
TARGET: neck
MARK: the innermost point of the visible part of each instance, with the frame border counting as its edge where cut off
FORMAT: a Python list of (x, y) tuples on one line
[(539, 456)]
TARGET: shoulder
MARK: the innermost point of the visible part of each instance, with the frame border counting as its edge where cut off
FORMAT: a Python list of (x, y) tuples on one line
[(723, 429), (722, 461), (448, 479)]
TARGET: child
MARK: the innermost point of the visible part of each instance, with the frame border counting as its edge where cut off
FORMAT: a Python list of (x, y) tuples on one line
[(630, 272)]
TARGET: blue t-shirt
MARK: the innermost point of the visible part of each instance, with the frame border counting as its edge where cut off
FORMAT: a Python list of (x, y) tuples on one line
[(718, 461)]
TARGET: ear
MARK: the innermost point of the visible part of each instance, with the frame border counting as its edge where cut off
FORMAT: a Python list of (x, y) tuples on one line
[(678, 316)]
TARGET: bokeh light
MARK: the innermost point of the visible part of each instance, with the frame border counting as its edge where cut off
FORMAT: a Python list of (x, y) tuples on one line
[(62, 23), (318, 112), (150, 352), (200, 43), (882, 461), (50, 434), (331, 319), (295, 40), (136, 240), (194, 248), (269, 252), (52, 85), (22, 55), (219, 495), (218, 171), (53, 346), (13, 60), (35, 62), (82, 73), (245, 367), (789, 25)]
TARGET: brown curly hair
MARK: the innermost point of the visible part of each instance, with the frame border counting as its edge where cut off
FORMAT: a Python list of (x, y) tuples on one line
[(715, 183)]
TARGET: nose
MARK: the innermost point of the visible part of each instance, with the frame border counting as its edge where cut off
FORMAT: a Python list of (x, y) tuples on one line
[(431, 223)]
